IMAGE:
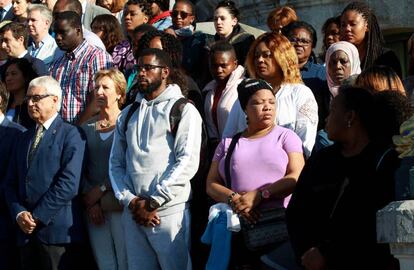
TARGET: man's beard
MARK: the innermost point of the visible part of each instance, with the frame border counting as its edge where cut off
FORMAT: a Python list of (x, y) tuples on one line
[(151, 87)]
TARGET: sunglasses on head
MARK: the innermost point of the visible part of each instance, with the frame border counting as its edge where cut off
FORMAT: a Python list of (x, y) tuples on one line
[(182, 14)]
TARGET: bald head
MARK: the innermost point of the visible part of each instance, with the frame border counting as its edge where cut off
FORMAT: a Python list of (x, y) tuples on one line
[(67, 5)]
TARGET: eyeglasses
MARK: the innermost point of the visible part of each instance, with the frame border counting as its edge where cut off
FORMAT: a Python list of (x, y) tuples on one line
[(147, 67), (182, 14), (300, 41), (36, 98)]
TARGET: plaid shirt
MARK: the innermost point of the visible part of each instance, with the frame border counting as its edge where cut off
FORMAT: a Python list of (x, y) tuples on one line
[(75, 71)]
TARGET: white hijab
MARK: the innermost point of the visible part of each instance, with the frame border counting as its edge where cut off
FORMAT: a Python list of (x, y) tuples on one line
[(353, 55)]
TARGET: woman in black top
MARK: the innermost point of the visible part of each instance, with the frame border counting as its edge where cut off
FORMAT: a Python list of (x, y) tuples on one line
[(359, 26), (332, 213)]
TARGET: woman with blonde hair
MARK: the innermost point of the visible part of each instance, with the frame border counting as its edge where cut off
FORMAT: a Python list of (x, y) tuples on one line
[(272, 58), (103, 210), (380, 78)]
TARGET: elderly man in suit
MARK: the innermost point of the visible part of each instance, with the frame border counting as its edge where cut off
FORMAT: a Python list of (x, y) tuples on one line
[(9, 132), (43, 181)]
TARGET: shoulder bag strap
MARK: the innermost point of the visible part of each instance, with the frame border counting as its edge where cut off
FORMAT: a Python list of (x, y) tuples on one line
[(131, 111), (230, 150)]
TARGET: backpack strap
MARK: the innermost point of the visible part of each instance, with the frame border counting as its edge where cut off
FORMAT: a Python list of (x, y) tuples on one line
[(131, 111), (175, 114), (230, 150)]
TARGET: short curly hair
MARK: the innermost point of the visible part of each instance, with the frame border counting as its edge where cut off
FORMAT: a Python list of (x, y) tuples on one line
[(144, 5), (170, 44), (283, 52)]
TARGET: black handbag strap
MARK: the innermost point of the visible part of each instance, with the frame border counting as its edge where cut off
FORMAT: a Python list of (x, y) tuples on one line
[(230, 150)]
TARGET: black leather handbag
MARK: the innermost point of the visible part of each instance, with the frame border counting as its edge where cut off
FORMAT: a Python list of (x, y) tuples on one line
[(270, 230)]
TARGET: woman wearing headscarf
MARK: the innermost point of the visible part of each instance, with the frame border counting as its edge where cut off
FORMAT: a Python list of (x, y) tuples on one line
[(342, 61)]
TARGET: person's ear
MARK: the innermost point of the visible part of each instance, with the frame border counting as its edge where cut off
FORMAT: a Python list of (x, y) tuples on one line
[(165, 73), (192, 19), (55, 101), (350, 118), (145, 19), (21, 39), (234, 22)]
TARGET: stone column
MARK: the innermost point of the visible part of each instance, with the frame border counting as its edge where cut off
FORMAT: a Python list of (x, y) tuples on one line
[(395, 225)]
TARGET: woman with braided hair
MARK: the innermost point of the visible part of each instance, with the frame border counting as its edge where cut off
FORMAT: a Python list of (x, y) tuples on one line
[(360, 27)]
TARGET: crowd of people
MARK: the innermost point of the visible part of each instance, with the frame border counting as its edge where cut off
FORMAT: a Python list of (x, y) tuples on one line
[(130, 140)]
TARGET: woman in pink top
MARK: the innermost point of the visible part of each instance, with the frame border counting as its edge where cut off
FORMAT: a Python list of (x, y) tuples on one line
[(265, 163)]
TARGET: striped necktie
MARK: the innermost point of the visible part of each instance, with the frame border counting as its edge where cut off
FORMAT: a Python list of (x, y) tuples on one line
[(38, 137)]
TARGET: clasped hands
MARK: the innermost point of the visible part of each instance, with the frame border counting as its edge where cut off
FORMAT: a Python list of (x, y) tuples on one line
[(244, 204), (26, 222), (142, 212)]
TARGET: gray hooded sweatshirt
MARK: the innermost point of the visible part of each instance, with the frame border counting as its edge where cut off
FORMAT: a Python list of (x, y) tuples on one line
[(148, 161)]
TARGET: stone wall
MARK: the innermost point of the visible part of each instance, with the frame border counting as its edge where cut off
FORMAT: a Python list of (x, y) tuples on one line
[(395, 16)]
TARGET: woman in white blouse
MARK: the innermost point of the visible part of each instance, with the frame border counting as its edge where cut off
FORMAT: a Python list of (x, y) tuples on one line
[(273, 59)]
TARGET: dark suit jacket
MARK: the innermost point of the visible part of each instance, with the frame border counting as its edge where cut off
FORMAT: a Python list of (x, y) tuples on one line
[(48, 187), (9, 133), (9, 15), (38, 65)]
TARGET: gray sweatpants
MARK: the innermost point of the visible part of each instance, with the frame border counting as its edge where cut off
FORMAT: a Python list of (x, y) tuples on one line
[(165, 246)]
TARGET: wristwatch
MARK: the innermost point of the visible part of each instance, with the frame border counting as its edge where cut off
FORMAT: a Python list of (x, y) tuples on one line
[(265, 193), (102, 187), (154, 204)]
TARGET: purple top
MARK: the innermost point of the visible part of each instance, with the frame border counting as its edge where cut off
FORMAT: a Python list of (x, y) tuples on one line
[(259, 162), (123, 57)]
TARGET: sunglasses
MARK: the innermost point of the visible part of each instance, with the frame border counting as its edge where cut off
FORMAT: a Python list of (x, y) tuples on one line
[(182, 14)]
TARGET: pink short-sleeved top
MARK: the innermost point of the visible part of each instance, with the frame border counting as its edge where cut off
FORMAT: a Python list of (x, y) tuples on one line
[(256, 163)]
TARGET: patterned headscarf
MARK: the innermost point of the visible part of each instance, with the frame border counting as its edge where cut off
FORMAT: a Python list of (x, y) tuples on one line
[(353, 55)]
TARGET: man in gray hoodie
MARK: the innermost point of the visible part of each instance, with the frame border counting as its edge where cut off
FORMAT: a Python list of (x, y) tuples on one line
[(151, 167)]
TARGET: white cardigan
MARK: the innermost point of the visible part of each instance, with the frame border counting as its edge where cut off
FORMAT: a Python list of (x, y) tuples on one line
[(227, 99), (296, 109)]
